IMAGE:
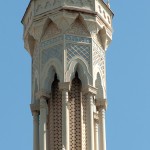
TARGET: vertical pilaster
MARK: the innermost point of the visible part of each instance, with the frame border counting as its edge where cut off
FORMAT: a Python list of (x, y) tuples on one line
[(90, 92), (35, 114), (102, 105), (96, 124), (35, 130), (65, 87), (43, 120), (90, 121)]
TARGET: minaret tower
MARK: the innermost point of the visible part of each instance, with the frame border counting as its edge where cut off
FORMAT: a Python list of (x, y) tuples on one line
[(67, 40)]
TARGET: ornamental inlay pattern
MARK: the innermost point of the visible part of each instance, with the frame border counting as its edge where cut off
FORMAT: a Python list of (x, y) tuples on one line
[(43, 6), (78, 50), (80, 3), (50, 42), (99, 57), (53, 52), (71, 38)]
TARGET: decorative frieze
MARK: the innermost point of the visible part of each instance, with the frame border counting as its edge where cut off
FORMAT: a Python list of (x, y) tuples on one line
[(88, 4), (46, 5), (78, 39), (52, 41)]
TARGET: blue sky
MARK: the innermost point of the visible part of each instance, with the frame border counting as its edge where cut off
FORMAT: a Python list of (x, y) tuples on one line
[(128, 78)]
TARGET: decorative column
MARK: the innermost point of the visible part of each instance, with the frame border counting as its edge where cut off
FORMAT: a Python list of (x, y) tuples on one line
[(43, 119), (96, 124), (102, 106), (65, 87), (35, 113), (90, 92)]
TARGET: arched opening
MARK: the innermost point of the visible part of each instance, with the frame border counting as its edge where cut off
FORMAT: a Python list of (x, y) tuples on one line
[(75, 113), (55, 116), (82, 70)]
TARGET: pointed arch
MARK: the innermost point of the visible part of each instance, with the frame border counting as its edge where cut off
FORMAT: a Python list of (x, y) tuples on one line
[(52, 67), (79, 66), (99, 83)]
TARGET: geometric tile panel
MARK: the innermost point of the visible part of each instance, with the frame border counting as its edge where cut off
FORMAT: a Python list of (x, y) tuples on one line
[(99, 57), (78, 50)]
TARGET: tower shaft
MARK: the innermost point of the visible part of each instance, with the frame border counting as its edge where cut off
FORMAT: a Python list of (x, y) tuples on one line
[(67, 41)]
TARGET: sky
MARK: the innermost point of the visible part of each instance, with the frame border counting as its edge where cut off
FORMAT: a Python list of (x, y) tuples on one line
[(128, 78)]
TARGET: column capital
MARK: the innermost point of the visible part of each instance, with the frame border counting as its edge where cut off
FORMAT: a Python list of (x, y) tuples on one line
[(64, 86), (101, 103), (89, 90), (96, 118), (35, 108), (43, 94)]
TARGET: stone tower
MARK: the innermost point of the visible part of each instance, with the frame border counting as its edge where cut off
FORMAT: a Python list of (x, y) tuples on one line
[(67, 40)]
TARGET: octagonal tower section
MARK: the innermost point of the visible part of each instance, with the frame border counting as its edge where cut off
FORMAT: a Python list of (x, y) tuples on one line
[(67, 40)]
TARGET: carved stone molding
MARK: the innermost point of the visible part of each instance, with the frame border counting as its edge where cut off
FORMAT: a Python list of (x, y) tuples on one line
[(101, 103), (35, 108), (43, 103), (89, 89), (64, 86), (78, 50), (41, 94), (78, 28), (63, 20)]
